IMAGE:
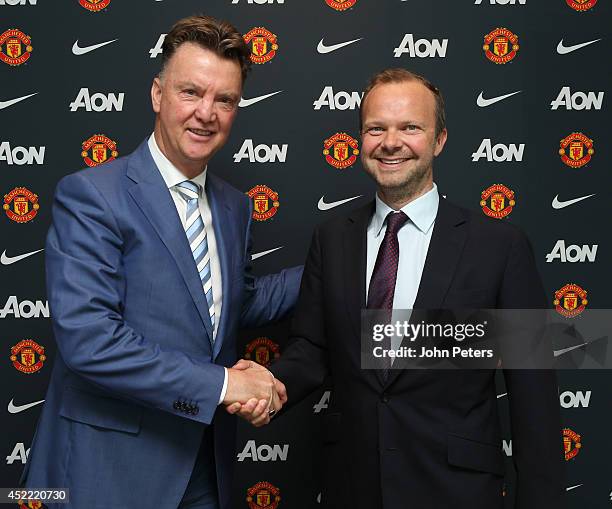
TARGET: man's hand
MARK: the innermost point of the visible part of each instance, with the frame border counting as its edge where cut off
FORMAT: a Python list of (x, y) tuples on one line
[(247, 380), (254, 410)]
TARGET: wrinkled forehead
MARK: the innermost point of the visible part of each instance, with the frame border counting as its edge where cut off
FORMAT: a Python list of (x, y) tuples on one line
[(193, 61)]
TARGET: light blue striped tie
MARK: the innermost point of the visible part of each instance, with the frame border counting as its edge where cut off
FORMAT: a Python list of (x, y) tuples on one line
[(196, 235)]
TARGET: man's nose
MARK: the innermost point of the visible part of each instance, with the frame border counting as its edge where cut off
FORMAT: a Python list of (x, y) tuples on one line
[(205, 110), (391, 140)]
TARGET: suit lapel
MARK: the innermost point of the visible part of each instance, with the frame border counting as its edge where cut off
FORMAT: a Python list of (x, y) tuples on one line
[(355, 252), (153, 198), (355, 245), (445, 249), (225, 230)]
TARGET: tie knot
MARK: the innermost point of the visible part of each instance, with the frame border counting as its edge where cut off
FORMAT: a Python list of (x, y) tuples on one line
[(395, 220), (188, 190)]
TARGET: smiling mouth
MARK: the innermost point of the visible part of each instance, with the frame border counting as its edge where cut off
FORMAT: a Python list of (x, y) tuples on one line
[(392, 161), (201, 132)]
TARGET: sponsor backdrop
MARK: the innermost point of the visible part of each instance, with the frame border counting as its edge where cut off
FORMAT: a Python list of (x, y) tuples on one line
[(526, 87)]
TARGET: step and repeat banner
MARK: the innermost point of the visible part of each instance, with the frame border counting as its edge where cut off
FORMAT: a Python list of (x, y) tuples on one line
[(526, 84)]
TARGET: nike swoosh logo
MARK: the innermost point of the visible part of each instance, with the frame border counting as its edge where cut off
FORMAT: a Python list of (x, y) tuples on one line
[(77, 50), (326, 206), (15, 409), (264, 253), (570, 488), (556, 204), (557, 353), (322, 48), (483, 103), (502, 395), (247, 102), (564, 50), (8, 260), (6, 104)]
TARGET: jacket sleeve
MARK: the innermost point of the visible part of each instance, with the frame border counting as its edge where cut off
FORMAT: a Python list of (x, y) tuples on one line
[(267, 298), (534, 403), (86, 284), (304, 364)]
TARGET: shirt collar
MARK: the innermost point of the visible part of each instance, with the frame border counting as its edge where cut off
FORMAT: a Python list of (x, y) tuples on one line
[(422, 211), (170, 173)]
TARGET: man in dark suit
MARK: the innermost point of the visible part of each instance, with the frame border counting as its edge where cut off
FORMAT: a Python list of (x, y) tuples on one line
[(149, 278), (423, 438)]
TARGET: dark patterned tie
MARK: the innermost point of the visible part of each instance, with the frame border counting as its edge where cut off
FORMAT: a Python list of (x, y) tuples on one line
[(382, 282)]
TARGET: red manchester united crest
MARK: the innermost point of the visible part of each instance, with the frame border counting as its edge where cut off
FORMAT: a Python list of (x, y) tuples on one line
[(570, 300), (341, 150), (571, 443), (30, 504), (262, 350), (94, 5), (15, 47), (263, 495), (28, 356), (576, 150), (581, 5), (500, 45), (341, 5), (21, 205), (497, 201), (265, 202), (99, 149), (263, 45)]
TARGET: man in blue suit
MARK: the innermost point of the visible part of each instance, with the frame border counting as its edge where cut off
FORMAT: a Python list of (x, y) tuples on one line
[(148, 275)]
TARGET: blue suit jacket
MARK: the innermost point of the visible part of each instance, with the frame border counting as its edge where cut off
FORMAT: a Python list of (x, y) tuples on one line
[(136, 381)]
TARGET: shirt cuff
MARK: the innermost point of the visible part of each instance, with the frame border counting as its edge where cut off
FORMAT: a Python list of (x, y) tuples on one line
[(224, 388)]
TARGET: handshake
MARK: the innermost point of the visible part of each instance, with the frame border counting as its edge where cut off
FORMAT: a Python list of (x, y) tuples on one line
[(253, 393)]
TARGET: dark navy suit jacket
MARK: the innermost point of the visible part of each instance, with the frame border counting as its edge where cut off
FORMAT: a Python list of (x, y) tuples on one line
[(136, 380), (423, 438)]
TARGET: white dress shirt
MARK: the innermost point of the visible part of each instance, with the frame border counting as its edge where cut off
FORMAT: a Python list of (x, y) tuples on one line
[(173, 176), (414, 237)]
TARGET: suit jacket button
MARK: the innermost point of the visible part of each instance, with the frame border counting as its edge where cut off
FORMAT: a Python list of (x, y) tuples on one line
[(385, 397), (196, 410), (177, 405)]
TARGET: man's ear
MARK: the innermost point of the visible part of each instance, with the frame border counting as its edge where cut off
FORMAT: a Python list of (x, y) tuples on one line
[(156, 94), (440, 141)]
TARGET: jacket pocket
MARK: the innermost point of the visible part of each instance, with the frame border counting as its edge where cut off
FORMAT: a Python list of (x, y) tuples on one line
[(100, 411), (468, 453)]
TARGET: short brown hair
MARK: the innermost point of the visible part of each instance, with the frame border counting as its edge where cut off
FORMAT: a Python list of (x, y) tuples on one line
[(210, 33), (400, 75)]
